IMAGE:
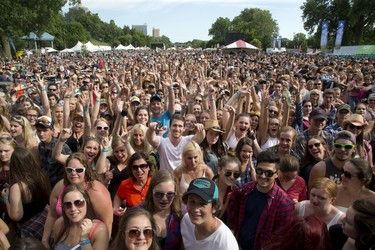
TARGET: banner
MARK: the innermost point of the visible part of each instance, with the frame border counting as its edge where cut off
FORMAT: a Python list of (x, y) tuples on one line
[(279, 42), (11, 42), (339, 33), (274, 42), (324, 37)]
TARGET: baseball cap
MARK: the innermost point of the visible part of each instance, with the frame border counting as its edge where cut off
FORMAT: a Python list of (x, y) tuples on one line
[(345, 135), (155, 97), (343, 107), (44, 121), (135, 99), (204, 188), (318, 113)]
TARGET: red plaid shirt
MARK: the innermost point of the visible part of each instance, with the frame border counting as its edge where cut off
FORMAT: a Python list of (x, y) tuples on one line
[(276, 214)]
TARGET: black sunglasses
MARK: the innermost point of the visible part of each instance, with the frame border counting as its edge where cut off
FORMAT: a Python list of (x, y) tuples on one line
[(346, 146), (267, 173), (351, 126), (160, 195), (273, 111), (230, 173), (77, 203), (77, 170), (142, 166), (133, 234), (348, 175), (311, 146)]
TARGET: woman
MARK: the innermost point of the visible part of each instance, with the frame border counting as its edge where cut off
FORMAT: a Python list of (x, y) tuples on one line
[(229, 171), (322, 195), (113, 169), (270, 134), (190, 121), (254, 122), (200, 228), (357, 174), (316, 151), (136, 231), (356, 124), (359, 225), (240, 129), (245, 153), (289, 180), (57, 117), (304, 233), (27, 197), (101, 128), (212, 146), (141, 116), (162, 201), (132, 191), (192, 166), (24, 135), (204, 117), (360, 109), (75, 141), (137, 139), (77, 226), (78, 172), (306, 110)]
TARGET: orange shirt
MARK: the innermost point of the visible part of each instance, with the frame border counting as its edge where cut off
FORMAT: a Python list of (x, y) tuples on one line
[(127, 191)]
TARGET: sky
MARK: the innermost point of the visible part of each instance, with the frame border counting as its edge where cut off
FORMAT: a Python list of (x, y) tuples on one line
[(185, 20)]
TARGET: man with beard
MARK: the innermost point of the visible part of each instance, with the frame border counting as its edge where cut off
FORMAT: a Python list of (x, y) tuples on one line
[(170, 148), (260, 207), (53, 170), (344, 150), (318, 120)]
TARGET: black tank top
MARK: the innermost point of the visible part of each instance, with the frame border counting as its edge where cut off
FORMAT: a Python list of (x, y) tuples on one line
[(332, 172), (118, 176)]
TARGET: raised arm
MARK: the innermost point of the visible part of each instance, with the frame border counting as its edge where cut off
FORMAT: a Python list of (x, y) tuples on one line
[(201, 133), (44, 97), (151, 136), (229, 124), (57, 151)]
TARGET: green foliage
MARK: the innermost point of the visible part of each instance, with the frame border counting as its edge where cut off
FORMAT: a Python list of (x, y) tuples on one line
[(219, 28), (358, 14), (256, 42)]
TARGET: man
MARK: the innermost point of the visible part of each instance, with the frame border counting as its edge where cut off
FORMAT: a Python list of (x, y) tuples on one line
[(170, 148), (54, 170), (287, 139), (156, 107), (277, 93), (260, 207), (134, 103), (344, 150), (328, 105), (343, 111), (318, 120)]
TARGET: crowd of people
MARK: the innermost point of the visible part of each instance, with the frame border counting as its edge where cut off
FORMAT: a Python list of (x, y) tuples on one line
[(187, 150)]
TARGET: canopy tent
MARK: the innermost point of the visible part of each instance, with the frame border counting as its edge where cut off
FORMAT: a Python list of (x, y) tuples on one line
[(240, 45), (77, 47), (34, 37), (67, 51), (91, 47), (120, 47), (130, 46), (104, 48), (51, 50)]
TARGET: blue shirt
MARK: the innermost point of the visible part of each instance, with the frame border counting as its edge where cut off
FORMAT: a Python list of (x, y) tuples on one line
[(164, 120)]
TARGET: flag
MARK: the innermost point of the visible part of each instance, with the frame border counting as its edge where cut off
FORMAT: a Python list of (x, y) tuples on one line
[(279, 42), (274, 42), (339, 33), (324, 37), (11, 42)]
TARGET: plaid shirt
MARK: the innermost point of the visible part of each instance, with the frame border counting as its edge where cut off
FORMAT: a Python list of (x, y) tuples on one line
[(278, 212)]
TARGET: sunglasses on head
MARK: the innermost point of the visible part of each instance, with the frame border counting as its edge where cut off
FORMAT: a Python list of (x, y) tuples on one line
[(348, 175), (160, 195), (6, 137), (102, 128), (142, 166), (133, 234), (311, 146), (267, 173), (230, 173), (77, 203), (345, 146), (77, 170)]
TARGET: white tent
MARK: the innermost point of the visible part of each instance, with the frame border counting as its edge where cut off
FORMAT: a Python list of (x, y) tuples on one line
[(129, 47), (121, 47), (67, 51), (240, 44), (51, 50), (91, 47), (104, 48), (77, 47)]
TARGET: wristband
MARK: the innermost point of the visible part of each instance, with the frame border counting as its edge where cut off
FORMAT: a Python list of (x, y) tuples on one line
[(43, 89), (85, 109), (238, 94), (124, 113), (84, 242), (212, 99), (105, 150), (97, 100)]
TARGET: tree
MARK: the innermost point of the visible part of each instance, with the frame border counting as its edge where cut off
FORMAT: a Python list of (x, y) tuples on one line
[(300, 41), (21, 17), (358, 15), (256, 43), (219, 28), (256, 23)]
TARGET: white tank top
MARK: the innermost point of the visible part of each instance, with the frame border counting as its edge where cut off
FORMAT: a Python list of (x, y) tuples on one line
[(271, 141)]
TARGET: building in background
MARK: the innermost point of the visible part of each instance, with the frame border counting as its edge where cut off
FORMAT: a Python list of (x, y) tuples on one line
[(155, 32), (141, 28)]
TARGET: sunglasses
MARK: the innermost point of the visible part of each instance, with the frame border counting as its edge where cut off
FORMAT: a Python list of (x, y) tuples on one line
[(230, 173), (311, 146), (77, 170), (348, 175), (346, 146), (314, 94), (134, 234), (371, 100), (273, 111), (5, 137), (52, 89), (197, 100), (102, 128), (142, 166), (77, 203), (267, 173), (351, 126), (160, 195)]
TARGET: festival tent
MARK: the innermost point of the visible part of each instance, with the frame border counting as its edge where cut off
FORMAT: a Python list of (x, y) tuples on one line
[(77, 47), (51, 50), (104, 48), (121, 47), (67, 51), (91, 47), (129, 47), (240, 45), (44, 37)]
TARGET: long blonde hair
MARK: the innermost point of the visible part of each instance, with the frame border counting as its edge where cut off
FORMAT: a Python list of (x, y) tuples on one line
[(191, 146), (147, 148), (27, 132)]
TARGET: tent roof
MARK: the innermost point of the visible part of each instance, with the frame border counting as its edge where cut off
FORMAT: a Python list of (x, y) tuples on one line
[(77, 47), (44, 37), (240, 44)]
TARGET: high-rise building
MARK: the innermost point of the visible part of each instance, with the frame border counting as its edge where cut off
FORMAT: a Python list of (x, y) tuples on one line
[(155, 32), (141, 28)]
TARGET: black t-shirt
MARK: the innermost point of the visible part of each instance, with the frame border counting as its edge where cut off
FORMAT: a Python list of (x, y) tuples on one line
[(255, 204)]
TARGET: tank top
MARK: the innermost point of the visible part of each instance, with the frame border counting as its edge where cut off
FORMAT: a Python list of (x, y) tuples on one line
[(184, 185), (118, 176), (335, 220), (332, 172), (232, 141), (271, 141)]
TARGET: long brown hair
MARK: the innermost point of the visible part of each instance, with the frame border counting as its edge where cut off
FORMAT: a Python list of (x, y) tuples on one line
[(90, 177)]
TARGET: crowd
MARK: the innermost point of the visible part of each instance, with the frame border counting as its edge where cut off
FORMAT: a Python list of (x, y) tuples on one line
[(187, 150)]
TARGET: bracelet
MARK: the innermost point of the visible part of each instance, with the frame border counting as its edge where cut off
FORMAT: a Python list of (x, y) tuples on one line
[(43, 89), (238, 94), (85, 242), (97, 100), (105, 150), (85, 109), (212, 99)]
